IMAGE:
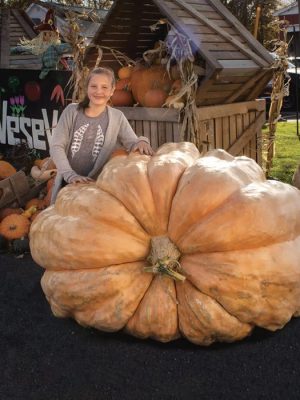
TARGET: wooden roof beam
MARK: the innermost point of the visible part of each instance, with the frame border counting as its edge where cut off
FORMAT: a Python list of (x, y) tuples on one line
[(181, 28), (28, 30), (260, 61), (252, 42), (245, 87)]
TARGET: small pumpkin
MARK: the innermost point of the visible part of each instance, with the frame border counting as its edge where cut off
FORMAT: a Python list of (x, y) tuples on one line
[(14, 226), (4, 212), (155, 98), (122, 98), (6, 169), (35, 202), (125, 72), (123, 84), (173, 245)]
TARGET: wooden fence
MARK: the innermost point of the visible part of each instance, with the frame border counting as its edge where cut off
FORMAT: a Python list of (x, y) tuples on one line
[(235, 128)]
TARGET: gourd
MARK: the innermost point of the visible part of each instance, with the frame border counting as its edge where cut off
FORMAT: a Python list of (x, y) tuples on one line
[(125, 72), (122, 98), (14, 226), (6, 169), (4, 212), (173, 245), (155, 98), (146, 79)]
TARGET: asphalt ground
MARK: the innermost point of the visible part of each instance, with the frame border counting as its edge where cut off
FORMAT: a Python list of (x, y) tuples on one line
[(46, 358)]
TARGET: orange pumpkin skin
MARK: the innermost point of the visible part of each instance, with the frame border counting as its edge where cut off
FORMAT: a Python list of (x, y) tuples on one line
[(155, 98), (123, 84), (6, 169), (125, 72), (4, 212), (221, 214), (122, 98), (145, 79), (14, 226)]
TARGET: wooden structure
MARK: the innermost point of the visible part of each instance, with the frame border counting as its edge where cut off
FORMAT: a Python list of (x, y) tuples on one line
[(14, 25), (235, 128), (236, 69)]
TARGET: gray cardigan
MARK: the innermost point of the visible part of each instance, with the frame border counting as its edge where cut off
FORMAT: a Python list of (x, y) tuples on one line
[(119, 131)]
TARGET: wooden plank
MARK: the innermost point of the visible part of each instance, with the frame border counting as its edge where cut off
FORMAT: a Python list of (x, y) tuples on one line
[(161, 129), (208, 38), (252, 142), (4, 44), (239, 125), (169, 132), (21, 57), (256, 91), (245, 87), (221, 46), (238, 64), (214, 94), (150, 114), (132, 123), (221, 86), (29, 31), (232, 129), (139, 128), (233, 79), (229, 55), (28, 66), (252, 42), (220, 111), (204, 18), (147, 129), (248, 133), (25, 62), (205, 85), (225, 133), (259, 144), (218, 133), (227, 73), (153, 135), (176, 132), (199, 7)]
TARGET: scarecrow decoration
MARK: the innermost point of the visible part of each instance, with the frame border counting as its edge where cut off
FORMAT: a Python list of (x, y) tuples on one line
[(47, 44)]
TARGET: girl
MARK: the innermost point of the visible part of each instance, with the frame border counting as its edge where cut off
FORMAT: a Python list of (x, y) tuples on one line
[(88, 132)]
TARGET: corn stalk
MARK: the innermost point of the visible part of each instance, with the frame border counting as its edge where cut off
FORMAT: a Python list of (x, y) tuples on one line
[(280, 89), (176, 50)]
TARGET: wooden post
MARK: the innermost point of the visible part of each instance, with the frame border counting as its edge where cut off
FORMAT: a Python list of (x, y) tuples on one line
[(256, 23)]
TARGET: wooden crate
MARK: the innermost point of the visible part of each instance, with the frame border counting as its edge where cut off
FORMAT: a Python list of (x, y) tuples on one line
[(235, 128), (17, 190)]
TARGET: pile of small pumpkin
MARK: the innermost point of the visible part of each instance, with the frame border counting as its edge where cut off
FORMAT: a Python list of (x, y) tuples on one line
[(15, 221), (145, 86)]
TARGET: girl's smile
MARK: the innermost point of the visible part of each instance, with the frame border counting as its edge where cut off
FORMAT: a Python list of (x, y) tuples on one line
[(100, 90)]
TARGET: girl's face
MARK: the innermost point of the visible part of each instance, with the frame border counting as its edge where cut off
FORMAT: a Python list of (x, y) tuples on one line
[(99, 90)]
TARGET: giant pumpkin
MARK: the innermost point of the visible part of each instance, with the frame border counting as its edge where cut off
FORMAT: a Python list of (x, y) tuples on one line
[(173, 245)]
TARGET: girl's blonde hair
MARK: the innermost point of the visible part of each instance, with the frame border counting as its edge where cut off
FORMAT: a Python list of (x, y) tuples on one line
[(83, 104)]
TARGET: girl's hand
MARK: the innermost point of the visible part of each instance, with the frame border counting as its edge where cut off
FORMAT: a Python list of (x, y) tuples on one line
[(81, 179), (143, 147)]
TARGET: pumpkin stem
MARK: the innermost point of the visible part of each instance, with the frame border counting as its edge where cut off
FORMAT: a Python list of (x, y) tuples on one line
[(164, 257)]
